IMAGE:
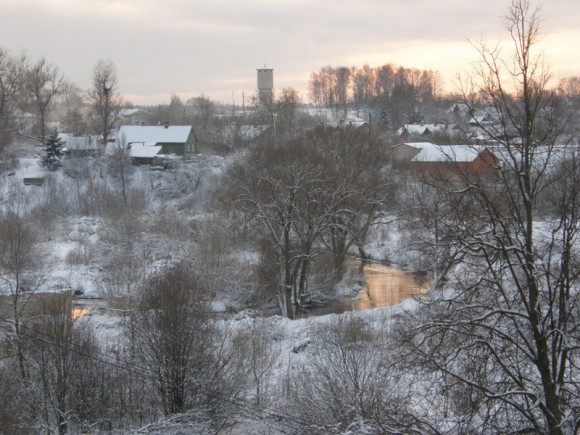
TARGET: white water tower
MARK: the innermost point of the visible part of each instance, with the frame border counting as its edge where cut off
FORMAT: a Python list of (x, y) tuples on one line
[(265, 83)]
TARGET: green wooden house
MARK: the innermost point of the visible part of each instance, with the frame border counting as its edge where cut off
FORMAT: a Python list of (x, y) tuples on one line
[(173, 139)]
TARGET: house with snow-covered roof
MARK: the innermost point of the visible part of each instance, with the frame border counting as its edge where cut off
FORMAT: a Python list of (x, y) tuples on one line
[(79, 146), (403, 153), (133, 116), (173, 139), (429, 159), (144, 154)]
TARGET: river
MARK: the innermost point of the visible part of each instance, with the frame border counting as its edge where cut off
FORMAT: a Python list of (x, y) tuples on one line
[(386, 285)]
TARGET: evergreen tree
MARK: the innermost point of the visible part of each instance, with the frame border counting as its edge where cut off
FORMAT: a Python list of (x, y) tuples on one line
[(53, 152), (385, 119)]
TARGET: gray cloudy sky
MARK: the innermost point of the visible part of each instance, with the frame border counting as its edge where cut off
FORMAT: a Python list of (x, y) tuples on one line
[(193, 47)]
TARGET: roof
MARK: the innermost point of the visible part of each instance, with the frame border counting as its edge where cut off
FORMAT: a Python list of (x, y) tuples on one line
[(417, 145), (460, 107), (479, 120), (144, 151), (154, 134), (79, 142), (443, 153), (420, 129)]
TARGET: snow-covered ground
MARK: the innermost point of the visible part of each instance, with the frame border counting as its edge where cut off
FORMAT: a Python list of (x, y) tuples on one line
[(84, 243)]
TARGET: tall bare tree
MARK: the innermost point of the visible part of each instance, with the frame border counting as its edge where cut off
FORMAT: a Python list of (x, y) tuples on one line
[(286, 107), (283, 190), (363, 188), (11, 75), (175, 112), (73, 121), (120, 167), (105, 98), (308, 196), (43, 83), (364, 82), (53, 363), (508, 332), (343, 86), (205, 124), (20, 270)]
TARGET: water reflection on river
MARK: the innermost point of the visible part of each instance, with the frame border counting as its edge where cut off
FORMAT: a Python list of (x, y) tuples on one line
[(385, 286)]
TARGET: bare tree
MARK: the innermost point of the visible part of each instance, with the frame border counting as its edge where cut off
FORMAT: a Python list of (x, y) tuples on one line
[(73, 121), (508, 330), (105, 97), (121, 284), (284, 191), (203, 119), (120, 167), (20, 271), (324, 192), (204, 108), (343, 86), (569, 90), (255, 357), (52, 361), (174, 338), (14, 410), (364, 82), (286, 107), (43, 83), (213, 254), (11, 76), (175, 112), (364, 189), (432, 218)]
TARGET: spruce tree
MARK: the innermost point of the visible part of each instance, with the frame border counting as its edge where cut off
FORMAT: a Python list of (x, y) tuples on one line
[(385, 119), (53, 152)]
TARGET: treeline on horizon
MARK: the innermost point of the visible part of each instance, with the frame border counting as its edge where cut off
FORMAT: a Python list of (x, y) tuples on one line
[(340, 86), (393, 89)]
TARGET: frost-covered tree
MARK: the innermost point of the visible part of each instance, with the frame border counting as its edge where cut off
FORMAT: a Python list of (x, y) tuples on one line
[(52, 159), (350, 383), (284, 193), (174, 338), (307, 197), (362, 189), (21, 270), (504, 338), (120, 167)]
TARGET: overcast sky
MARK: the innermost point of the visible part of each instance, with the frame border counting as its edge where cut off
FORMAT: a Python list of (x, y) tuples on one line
[(194, 47)]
